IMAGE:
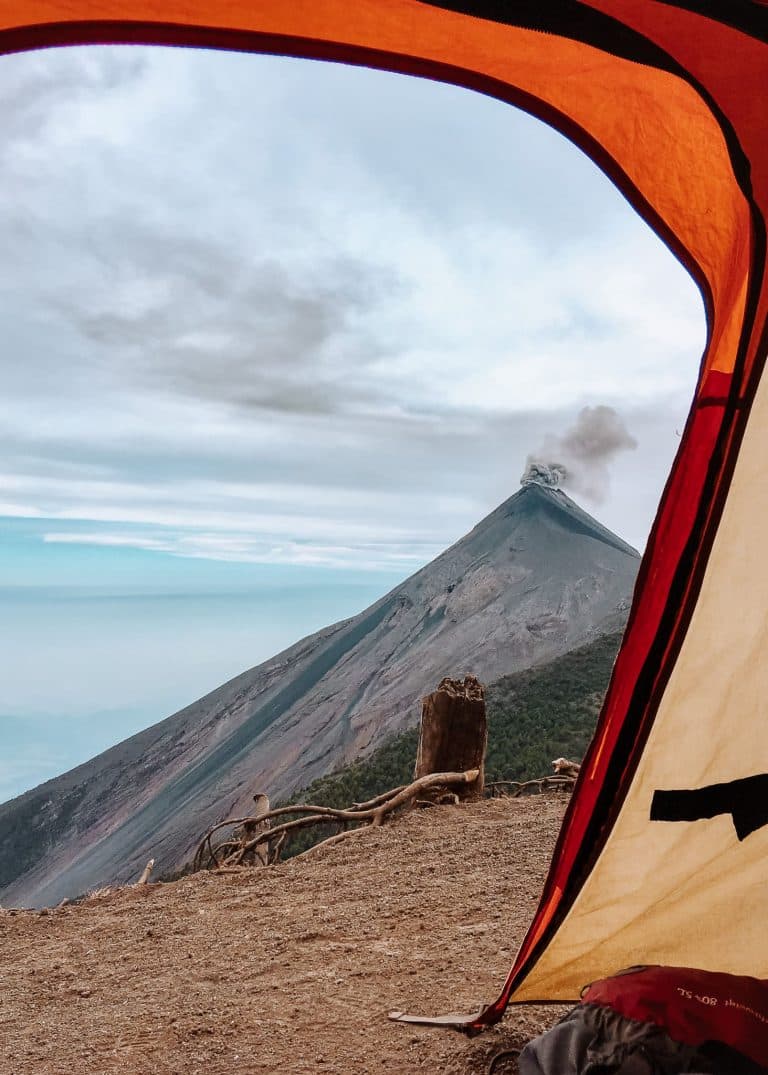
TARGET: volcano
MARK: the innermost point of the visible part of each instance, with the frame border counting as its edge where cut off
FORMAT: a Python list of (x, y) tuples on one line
[(535, 579)]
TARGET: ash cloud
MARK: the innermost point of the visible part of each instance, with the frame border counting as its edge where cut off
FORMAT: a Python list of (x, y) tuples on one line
[(550, 475), (221, 308), (580, 459)]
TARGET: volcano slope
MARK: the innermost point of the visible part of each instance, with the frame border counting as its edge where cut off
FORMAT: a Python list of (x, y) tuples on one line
[(292, 968), (538, 577)]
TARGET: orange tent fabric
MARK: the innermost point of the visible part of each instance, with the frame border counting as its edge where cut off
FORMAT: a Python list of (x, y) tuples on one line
[(668, 98)]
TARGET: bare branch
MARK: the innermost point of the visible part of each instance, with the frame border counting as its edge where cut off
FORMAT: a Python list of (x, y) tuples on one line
[(255, 830), (379, 798), (144, 879), (332, 840), (540, 783)]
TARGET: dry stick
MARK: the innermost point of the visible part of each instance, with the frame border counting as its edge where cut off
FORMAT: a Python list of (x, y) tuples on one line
[(197, 861), (213, 854), (325, 813), (332, 840), (231, 821), (555, 780), (377, 815), (413, 789), (278, 830), (390, 799), (281, 831), (144, 879), (379, 799), (373, 810), (227, 851), (542, 782), (298, 808), (250, 818), (274, 856)]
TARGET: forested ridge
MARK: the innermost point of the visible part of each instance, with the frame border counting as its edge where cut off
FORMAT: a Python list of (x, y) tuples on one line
[(534, 716)]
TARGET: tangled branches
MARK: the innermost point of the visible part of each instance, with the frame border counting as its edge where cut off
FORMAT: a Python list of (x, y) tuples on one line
[(564, 778), (513, 789), (255, 840)]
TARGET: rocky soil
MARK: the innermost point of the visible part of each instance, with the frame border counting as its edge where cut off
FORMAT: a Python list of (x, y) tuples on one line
[(293, 968)]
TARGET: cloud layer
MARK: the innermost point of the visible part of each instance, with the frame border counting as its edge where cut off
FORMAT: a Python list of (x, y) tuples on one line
[(269, 310)]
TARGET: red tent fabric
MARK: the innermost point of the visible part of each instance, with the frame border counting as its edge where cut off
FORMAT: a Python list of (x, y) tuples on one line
[(668, 98)]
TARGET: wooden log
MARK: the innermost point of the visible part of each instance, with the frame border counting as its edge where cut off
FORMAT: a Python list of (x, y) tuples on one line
[(454, 733), (144, 879)]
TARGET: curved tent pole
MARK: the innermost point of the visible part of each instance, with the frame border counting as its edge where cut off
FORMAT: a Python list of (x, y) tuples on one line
[(668, 99)]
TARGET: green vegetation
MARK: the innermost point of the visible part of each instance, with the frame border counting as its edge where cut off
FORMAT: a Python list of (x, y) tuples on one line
[(388, 767), (533, 717), (37, 825), (547, 712)]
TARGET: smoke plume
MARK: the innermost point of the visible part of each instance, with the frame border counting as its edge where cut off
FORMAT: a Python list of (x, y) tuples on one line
[(552, 475), (580, 459)]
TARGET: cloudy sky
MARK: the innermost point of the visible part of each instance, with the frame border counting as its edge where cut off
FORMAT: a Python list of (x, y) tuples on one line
[(277, 326)]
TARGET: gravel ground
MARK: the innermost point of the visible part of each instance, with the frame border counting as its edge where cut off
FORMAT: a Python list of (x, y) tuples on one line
[(292, 968)]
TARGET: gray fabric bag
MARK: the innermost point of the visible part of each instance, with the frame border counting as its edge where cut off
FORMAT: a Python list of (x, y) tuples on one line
[(595, 1040)]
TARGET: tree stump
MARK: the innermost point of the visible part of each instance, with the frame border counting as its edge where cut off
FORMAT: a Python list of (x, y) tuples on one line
[(454, 733)]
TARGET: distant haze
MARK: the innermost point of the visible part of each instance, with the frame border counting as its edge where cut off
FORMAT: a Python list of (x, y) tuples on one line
[(84, 667)]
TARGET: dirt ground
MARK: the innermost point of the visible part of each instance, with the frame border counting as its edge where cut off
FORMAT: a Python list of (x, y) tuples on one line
[(293, 968)]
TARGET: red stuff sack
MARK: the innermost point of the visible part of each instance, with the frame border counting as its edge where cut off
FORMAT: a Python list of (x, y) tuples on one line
[(693, 1006)]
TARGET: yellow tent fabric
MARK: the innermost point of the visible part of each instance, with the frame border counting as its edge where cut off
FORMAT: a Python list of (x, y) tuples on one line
[(668, 98)]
